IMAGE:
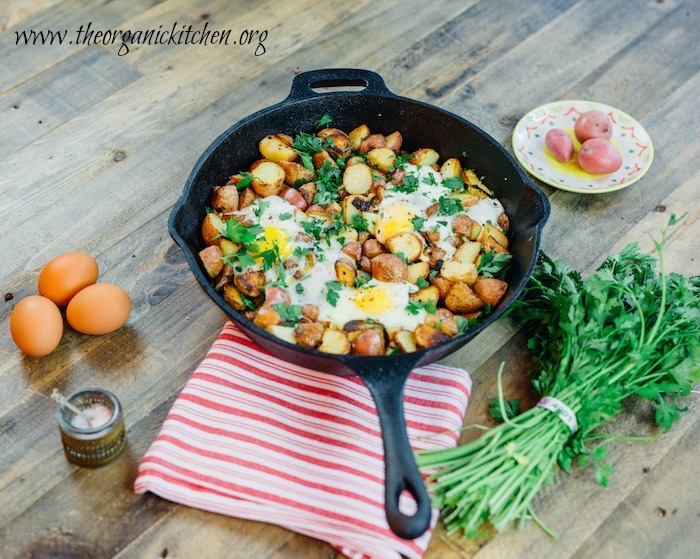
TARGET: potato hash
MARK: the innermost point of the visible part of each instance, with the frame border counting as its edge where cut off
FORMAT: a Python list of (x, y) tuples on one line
[(344, 243)]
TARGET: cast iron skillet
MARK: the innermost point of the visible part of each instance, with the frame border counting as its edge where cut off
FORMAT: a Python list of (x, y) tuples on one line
[(421, 125)]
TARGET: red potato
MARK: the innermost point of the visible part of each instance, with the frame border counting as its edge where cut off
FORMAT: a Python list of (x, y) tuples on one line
[(593, 124), (599, 156), (560, 144), (294, 197)]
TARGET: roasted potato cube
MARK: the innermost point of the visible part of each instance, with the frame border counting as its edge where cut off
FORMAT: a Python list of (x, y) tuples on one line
[(456, 270), (211, 258), (338, 140), (492, 244), (503, 222), (467, 199), (372, 219), (268, 177), (490, 230), (366, 265), (309, 334), (469, 176), (310, 312), (349, 209), (354, 160), (275, 148), (345, 272), (212, 227), (250, 283), (334, 341), (406, 340), (435, 255), (462, 225), (417, 270), (357, 179), (372, 248), (461, 299), (323, 157), (233, 297), (429, 294), (225, 199), (308, 191), (468, 251), (295, 174), (389, 267), (372, 141), (490, 290), (427, 336), (382, 159), (407, 244), (353, 249), (394, 141), (425, 156), (358, 135), (443, 285), (245, 198), (444, 321), (451, 168), (266, 316), (285, 333), (228, 248), (370, 342)]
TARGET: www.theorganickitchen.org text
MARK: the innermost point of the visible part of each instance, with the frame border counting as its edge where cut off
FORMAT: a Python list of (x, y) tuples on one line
[(177, 34)]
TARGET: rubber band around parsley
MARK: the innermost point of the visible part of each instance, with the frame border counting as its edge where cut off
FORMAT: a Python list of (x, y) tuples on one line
[(628, 330)]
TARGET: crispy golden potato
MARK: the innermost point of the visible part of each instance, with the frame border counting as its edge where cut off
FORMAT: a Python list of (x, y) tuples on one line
[(490, 230), (225, 199), (357, 179), (212, 227), (427, 336), (418, 270), (426, 295), (285, 333), (228, 248), (406, 340), (490, 290), (444, 321), (382, 159), (246, 197), (323, 157), (451, 168), (308, 191), (211, 259), (309, 334), (370, 342), (233, 297), (469, 176), (339, 140), (310, 312), (425, 156), (268, 177), (443, 285), (468, 251), (407, 244), (461, 299), (372, 219), (389, 267), (276, 148), (250, 283), (266, 316), (456, 270), (435, 255), (295, 174), (334, 341), (492, 244), (358, 135), (394, 141), (345, 272), (372, 141)]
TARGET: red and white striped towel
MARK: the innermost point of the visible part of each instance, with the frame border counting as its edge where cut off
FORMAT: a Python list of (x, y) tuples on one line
[(256, 437)]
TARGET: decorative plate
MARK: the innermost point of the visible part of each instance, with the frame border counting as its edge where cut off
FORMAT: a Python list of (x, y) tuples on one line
[(629, 136)]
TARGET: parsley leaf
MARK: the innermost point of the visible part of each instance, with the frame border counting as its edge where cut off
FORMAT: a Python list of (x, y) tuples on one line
[(239, 233), (332, 294), (423, 283), (313, 228), (449, 206), (453, 183), (245, 181), (414, 306), (408, 185), (418, 222), (512, 408), (285, 216), (269, 258), (493, 264), (359, 223), (260, 206), (328, 182), (323, 121), (290, 314)]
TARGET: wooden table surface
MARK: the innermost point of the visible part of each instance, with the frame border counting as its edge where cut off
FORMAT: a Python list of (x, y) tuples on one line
[(95, 147)]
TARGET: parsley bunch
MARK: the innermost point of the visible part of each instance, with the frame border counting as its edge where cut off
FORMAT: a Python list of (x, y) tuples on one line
[(628, 330)]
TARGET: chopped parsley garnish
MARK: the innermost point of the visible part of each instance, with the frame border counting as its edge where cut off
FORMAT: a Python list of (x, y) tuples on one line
[(449, 206), (299, 288), (463, 324), (269, 257), (290, 314), (313, 228), (327, 182), (414, 306), (408, 185), (493, 264), (308, 145), (301, 252), (260, 207), (248, 303), (239, 233), (285, 216), (245, 181), (422, 283), (418, 222), (453, 183), (401, 160), (332, 294), (323, 121), (359, 223)]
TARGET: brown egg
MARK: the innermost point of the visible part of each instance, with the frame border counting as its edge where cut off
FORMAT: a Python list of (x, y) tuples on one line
[(99, 309), (67, 274), (36, 325)]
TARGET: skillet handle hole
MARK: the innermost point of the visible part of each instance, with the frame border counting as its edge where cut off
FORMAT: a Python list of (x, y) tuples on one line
[(336, 85), (407, 503)]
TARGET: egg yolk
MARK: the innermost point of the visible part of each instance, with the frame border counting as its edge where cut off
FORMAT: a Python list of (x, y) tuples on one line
[(375, 300), (393, 221), (276, 237)]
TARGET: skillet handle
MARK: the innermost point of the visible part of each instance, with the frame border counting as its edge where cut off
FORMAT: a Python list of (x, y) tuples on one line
[(386, 385), (336, 77)]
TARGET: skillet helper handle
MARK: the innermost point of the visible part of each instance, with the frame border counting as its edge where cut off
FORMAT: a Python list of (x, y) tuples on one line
[(402, 473), (303, 84)]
